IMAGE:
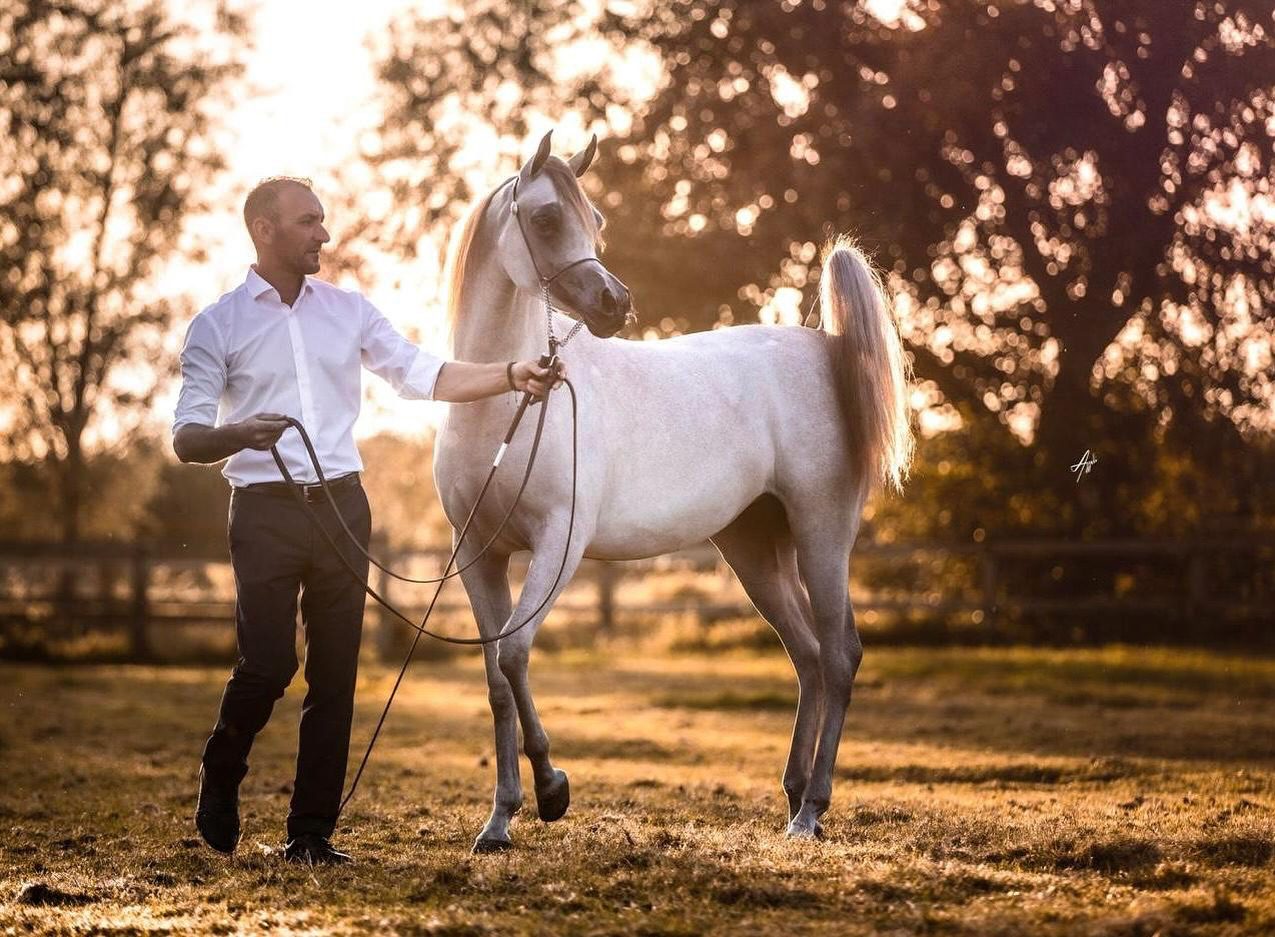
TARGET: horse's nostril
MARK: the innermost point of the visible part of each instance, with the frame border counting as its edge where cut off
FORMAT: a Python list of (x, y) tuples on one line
[(608, 302)]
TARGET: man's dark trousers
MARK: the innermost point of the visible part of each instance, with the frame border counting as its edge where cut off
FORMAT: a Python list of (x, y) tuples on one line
[(276, 551)]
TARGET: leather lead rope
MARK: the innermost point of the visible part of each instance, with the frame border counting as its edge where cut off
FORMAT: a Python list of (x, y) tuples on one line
[(420, 629), (546, 361)]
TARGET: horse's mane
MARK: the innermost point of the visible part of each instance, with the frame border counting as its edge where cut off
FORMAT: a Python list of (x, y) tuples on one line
[(462, 241), (458, 259)]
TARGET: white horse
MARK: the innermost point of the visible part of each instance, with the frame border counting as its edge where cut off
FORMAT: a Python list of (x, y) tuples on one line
[(764, 439)]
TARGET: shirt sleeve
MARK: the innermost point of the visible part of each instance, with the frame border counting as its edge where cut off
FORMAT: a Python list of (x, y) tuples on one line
[(407, 367), (203, 367)]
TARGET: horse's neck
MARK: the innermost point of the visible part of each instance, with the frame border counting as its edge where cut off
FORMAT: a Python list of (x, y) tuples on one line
[(497, 322)]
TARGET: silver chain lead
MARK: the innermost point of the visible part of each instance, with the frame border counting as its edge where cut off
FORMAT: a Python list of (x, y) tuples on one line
[(549, 311)]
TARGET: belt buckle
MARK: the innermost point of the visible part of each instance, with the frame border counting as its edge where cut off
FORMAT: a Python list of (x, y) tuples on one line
[(312, 493)]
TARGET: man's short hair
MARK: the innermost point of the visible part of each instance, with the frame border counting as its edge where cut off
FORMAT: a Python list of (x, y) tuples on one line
[(263, 200)]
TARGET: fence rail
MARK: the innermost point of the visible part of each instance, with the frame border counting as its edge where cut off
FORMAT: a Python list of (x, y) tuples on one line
[(118, 585)]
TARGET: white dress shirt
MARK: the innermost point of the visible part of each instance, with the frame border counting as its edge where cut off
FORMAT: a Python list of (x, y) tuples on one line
[(250, 353)]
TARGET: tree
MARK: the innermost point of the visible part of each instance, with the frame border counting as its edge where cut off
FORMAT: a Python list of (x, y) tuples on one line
[(1040, 177), (106, 113), (459, 92)]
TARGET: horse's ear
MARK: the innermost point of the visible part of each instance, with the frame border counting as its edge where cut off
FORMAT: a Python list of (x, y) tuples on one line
[(533, 165), (580, 162)]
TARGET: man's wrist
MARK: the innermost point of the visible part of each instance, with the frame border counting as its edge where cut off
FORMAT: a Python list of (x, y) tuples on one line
[(232, 434), (208, 444), (509, 375)]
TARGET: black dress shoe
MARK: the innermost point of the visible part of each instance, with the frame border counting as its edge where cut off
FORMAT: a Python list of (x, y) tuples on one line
[(217, 814), (313, 849)]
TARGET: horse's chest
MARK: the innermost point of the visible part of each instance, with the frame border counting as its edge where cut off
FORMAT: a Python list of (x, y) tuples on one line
[(463, 462), (460, 466)]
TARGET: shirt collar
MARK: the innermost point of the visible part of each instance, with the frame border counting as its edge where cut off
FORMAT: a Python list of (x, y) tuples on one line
[(258, 286)]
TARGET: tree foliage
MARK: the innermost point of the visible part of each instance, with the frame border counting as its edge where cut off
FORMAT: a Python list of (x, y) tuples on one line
[(1072, 197), (106, 114)]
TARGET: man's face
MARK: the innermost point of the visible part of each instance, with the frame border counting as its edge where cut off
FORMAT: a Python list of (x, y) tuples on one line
[(293, 240)]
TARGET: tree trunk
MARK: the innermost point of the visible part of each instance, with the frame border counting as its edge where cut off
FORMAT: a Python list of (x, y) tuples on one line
[(69, 622), (72, 488)]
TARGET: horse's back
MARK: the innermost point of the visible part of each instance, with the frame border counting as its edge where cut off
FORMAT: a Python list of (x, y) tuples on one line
[(697, 427)]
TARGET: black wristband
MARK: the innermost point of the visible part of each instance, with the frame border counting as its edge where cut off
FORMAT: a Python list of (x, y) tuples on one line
[(509, 373)]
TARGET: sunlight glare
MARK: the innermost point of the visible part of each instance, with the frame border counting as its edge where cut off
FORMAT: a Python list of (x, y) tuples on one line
[(887, 11)]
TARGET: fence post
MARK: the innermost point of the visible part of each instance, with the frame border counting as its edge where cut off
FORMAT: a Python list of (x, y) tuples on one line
[(1197, 584), (139, 620), (107, 604), (607, 576), (388, 631), (987, 560)]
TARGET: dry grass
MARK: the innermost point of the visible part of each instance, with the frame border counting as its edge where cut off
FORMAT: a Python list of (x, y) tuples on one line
[(1109, 792)]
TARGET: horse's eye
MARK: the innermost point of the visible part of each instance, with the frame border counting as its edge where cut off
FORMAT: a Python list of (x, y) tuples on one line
[(546, 224)]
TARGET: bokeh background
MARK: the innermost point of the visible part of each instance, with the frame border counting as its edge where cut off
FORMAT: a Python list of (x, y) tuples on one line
[(1071, 200), (1064, 717)]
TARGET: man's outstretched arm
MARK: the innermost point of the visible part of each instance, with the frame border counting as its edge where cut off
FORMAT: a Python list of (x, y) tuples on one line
[(464, 381), (415, 374)]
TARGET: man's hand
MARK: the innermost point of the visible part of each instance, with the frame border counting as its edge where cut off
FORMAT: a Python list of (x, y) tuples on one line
[(262, 430), (529, 376), (195, 442)]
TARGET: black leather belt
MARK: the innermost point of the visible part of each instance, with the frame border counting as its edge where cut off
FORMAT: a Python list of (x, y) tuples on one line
[(313, 493)]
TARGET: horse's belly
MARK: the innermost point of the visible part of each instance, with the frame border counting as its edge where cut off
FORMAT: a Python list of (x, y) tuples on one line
[(660, 514)]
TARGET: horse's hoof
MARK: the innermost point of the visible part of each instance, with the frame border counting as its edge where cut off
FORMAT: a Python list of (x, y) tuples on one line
[(800, 831), (484, 845), (553, 799)]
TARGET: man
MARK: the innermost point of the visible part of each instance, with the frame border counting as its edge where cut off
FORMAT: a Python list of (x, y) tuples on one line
[(285, 343)]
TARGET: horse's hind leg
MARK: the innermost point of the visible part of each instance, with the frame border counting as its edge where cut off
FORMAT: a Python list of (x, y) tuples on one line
[(487, 584), (823, 541), (758, 545)]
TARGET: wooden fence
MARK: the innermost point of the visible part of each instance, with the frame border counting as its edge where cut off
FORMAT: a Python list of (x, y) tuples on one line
[(130, 588)]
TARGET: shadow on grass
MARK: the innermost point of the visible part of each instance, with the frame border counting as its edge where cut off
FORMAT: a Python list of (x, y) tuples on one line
[(1122, 669), (1018, 773), (729, 700)]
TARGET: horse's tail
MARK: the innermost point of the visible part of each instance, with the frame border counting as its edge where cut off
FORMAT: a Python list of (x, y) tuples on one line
[(871, 369)]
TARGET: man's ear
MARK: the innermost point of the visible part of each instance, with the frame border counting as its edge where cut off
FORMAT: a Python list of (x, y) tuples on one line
[(262, 230)]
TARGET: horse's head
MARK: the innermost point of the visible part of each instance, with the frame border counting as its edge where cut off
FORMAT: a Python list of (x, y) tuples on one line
[(550, 233)]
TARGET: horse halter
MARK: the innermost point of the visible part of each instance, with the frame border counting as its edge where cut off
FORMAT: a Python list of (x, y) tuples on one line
[(546, 282)]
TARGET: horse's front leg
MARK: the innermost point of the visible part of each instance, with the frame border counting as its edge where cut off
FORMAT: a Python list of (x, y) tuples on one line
[(487, 583), (553, 792)]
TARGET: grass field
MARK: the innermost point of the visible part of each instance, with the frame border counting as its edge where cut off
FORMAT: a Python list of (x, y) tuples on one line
[(1118, 791)]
